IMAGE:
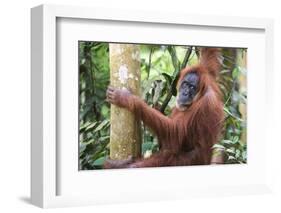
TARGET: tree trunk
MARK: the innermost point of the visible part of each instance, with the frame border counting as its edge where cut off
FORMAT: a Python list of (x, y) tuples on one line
[(242, 59), (125, 131)]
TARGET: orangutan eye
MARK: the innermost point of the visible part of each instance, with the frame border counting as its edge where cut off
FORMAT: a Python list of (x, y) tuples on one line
[(192, 87), (184, 85)]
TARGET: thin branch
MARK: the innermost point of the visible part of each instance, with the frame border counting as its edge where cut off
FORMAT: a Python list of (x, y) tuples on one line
[(186, 57), (149, 61)]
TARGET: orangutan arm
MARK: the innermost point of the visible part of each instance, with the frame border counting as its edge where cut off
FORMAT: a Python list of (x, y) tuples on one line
[(151, 117)]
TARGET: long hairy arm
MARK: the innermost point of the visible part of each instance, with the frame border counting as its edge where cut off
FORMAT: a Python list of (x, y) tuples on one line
[(211, 59), (151, 117)]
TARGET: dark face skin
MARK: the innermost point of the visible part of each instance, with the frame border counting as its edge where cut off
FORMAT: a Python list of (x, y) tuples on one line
[(187, 90)]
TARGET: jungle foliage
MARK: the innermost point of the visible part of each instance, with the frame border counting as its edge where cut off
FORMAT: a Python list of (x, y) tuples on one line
[(160, 65)]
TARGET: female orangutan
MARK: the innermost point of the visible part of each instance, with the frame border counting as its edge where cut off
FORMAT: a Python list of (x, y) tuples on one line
[(185, 137)]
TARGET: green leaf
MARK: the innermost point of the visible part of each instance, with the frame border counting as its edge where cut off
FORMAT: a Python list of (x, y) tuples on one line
[(238, 153), (90, 126), (167, 77), (235, 72), (82, 147), (146, 146), (231, 158), (227, 141), (99, 161), (104, 138), (244, 155), (235, 139), (85, 125), (89, 141), (231, 114), (101, 125), (231, 151), (218, 146)]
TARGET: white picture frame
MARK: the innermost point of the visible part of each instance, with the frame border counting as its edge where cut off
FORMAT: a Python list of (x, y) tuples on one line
[(45, 178)]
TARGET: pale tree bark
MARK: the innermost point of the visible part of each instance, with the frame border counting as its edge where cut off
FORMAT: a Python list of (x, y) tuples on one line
[(242, 60), (125, 131)]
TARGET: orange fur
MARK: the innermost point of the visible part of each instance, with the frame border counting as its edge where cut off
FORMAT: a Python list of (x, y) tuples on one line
[(186, 137)]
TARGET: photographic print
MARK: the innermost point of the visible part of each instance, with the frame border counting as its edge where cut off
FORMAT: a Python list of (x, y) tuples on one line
[(156, 105)]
